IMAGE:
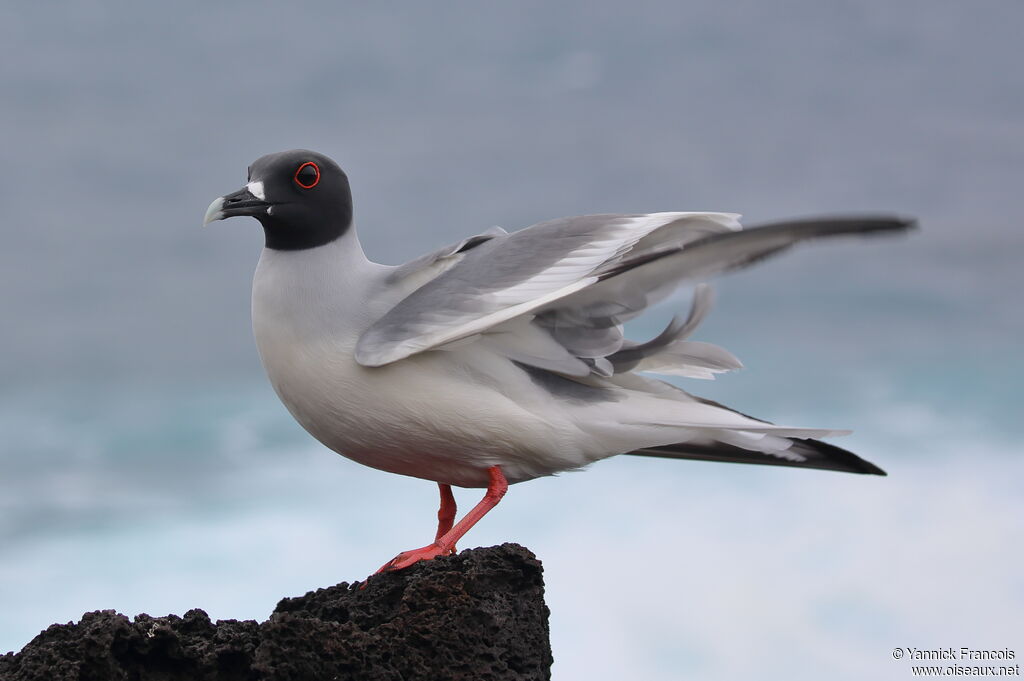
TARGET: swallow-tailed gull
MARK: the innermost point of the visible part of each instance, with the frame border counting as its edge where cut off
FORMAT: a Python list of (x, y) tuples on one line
[(501, 358)]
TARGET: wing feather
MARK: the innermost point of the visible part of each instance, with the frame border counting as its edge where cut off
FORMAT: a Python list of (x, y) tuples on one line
[(512, 275), (579, 277)]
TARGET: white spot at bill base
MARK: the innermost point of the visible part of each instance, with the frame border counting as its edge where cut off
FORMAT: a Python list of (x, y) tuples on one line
[(256, 189)]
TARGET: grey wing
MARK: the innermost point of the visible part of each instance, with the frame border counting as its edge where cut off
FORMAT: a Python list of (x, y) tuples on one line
[(555, 295), (511, 275), (628, 286), (428, 266)]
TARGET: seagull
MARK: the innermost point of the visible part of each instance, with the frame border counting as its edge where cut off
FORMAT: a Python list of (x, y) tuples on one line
[(501, 358)]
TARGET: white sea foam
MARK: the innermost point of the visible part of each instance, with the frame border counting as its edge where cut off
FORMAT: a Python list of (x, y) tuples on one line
[(807, 573)]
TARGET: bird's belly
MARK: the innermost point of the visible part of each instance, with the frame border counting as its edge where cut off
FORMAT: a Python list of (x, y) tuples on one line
[(423, 417)]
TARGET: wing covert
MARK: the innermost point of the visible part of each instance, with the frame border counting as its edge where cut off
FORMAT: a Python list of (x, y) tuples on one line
[(511, 275)]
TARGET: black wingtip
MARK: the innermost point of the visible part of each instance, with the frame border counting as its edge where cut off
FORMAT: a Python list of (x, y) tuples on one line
[(835, 225), (910, 223), (850, 462), (868, 468), (896, 223), (816, 454)]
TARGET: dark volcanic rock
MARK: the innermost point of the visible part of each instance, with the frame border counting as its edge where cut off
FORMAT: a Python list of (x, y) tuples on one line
[(479, 615)]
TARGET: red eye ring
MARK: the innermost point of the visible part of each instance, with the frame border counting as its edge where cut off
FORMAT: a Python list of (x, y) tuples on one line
[(316, 178)]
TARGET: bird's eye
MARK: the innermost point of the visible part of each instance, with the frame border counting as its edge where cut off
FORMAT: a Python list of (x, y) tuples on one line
[(308, 175)]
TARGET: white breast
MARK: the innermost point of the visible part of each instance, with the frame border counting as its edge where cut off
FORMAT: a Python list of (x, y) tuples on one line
[(443, 416)]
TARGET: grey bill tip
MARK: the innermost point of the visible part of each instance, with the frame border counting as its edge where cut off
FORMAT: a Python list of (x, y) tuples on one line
[(214, 212)]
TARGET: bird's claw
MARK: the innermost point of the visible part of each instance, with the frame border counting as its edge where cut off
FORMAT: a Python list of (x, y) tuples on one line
[(407, 558)]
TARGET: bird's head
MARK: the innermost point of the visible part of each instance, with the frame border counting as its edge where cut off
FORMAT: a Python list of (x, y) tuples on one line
[(301, 198)]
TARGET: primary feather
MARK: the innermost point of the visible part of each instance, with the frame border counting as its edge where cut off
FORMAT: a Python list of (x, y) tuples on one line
[(576, 280), (519, 273)]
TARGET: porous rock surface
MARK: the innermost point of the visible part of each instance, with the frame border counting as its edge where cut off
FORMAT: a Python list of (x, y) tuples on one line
[(479, 615)]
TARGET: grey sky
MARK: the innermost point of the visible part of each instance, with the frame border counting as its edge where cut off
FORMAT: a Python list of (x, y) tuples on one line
[(122, 121)]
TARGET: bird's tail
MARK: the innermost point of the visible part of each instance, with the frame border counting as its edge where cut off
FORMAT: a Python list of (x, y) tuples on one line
[(802, 453)]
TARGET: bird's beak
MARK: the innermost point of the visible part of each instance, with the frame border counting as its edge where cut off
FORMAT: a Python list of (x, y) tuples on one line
[(245, 201)]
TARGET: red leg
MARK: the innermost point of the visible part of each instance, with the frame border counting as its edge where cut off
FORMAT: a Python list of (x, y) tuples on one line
[(446, 513), (445, 544)]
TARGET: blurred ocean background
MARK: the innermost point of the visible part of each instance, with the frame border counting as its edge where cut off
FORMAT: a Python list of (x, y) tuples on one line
[(146, 465)]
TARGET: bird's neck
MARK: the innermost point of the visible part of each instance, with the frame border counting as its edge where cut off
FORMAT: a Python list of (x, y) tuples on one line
[(320, 286), (338, 262)]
